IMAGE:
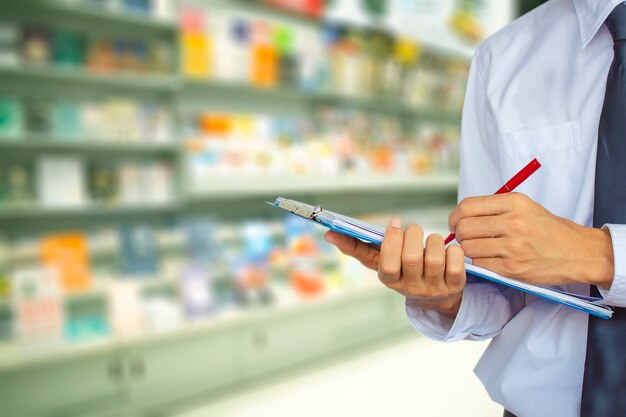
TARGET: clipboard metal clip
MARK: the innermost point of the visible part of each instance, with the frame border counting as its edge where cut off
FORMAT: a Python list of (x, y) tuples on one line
[(298, 208)]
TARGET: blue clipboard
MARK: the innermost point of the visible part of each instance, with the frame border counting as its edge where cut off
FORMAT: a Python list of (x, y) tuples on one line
[(374, 235)]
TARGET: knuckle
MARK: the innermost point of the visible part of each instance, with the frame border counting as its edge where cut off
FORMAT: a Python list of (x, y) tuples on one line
[(518, 199), (467, 248), (434, 261), (462, 228), (455, 270), (412, 259), (463, 206), (387, 271)]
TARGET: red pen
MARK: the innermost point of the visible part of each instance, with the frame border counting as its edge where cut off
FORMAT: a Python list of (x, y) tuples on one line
[(512, 184)]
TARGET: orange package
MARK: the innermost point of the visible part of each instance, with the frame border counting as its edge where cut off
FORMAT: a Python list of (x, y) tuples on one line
[(68, 254)]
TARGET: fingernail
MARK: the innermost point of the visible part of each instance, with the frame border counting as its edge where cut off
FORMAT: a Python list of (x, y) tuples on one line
[(329, 238), (396, 222)]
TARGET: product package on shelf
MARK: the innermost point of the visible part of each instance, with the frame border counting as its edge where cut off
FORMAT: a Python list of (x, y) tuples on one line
[(57, 47), (68, 255), (68, 49), (336, 143), (126, 314), (312, 8), (66, 121), (37, 115), (146, 183), (221, 266), (87, 327), (61, 182), (196, 291), (39, 316), (195, 44), (161, 314), (139, 255), (345, 60), (9, 44), (11, 118), (36, 45), (17, 184), (103, 183)]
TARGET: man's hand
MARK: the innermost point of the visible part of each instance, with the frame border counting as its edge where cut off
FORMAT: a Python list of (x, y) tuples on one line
[(432, 277), (512, 235)]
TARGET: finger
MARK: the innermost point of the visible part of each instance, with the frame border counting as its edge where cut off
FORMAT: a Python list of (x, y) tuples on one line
[(390, 262), (480, 206), (364, 253), (455, 269), (434, 262), (413, 256), (479, 227), (483, 248)]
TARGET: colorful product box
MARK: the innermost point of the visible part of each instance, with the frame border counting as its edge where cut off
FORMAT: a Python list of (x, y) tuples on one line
[(68, 255), (11, 118)]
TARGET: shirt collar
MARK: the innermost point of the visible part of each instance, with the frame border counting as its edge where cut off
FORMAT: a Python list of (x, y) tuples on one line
[(591, 16)]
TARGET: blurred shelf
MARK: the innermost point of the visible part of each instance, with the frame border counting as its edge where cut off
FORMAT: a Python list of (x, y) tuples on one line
[(30, 144), (324, 185), (98, 292), (12, 358), (9, 213), (93, 13), (387, 104), (204, 86), (260, 7), (375, 103), (73, 77)]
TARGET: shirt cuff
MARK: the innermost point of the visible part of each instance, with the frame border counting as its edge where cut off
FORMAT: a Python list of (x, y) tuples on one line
[(472, 321), (616, 295)]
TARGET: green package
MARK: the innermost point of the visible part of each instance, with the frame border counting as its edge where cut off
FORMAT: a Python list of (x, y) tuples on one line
[(11, 118), (68, 49), (66, 120)]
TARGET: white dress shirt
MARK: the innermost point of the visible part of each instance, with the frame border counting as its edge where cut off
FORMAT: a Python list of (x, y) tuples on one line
[(536, 89)]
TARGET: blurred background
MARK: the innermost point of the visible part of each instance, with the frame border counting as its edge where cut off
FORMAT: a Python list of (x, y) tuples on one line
[(141, 273)]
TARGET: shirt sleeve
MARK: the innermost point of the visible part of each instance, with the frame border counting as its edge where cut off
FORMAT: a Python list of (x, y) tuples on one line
[(616, 295), (485, 307)]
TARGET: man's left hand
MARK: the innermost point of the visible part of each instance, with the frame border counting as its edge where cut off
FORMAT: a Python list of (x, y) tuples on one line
[(514, 236)]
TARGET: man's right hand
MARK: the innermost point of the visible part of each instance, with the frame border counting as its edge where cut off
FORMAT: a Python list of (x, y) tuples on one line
[(432, 277)]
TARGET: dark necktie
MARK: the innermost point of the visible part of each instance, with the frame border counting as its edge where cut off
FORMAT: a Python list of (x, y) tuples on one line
[(604, 382)]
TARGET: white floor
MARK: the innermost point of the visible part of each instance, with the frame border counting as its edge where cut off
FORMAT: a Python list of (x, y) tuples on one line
[(416, 378)]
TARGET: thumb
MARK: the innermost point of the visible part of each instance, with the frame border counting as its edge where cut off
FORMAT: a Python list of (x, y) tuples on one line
[(366, 254)]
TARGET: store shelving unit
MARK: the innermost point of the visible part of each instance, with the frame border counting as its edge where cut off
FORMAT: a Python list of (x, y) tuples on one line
[(95, 15), (377, 104), (85, 145), (325, 185), (72, 77), (229, 349), (50, 213), (110, 16)]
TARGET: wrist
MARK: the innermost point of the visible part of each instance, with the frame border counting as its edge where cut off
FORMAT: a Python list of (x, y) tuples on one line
[(597, 266), (448, 307)]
